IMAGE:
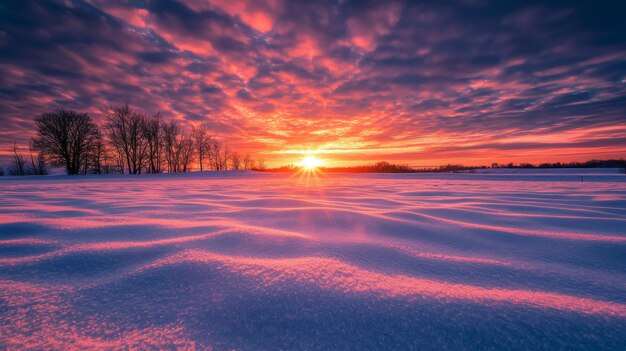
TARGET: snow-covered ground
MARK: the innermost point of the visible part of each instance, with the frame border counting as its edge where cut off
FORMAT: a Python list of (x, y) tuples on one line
[(253, 261)]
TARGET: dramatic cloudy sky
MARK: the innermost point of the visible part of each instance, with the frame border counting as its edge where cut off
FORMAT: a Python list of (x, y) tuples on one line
[(424, 83)]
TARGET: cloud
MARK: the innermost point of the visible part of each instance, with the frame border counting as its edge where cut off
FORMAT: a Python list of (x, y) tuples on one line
[(414, 81)]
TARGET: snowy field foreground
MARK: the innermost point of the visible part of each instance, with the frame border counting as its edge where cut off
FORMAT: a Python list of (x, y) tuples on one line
[(256, 261)]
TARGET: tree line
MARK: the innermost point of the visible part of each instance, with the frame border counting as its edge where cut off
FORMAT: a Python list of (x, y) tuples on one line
[(386, 167), (574, 164), (130, 141), (378, 167)]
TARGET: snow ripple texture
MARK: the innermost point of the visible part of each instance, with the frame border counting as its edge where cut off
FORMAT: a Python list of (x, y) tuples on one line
[(253, 261)]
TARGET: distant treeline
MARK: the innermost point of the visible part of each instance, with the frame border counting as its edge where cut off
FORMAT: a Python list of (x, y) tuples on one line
[(586, 164), (129, 142), (378, 167), (386, 167)]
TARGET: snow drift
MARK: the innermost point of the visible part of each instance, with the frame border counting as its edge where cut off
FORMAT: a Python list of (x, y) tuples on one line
[(244, 260)]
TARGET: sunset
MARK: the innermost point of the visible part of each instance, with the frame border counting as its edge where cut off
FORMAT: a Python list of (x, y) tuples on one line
[(312, 175), (311, 162), (418, 83)]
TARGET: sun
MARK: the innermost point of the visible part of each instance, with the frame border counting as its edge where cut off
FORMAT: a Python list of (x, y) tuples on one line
[(311, 162)]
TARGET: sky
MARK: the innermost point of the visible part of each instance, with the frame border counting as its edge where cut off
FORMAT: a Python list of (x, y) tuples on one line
[(420, 83)]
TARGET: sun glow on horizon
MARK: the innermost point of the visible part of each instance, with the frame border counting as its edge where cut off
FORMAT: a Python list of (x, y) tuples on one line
[(311, 162)]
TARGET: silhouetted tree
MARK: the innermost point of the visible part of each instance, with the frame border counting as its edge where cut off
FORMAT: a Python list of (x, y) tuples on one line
[(211, 158), (202, 142), (97, 157), (184, 151), (170, 137), (224, 157), (236, 160), (153, 134), (260, 165), (118, 158), (248, 163), (217, 155), (39, 166), (125, 128), (19, 164), (65, 138)]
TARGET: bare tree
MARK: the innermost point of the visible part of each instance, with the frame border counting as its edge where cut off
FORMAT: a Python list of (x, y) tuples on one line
[(97, 156), (248, 163), (124, 128), (260, 165), (118, 159), (202, 142), (170, 137), (32, 158), (19, 164), (215, 153), (225, 157), (38, 167), (220, 155), (109, 163), (65, 138), (236, 160), (185, 152), (153, 134)]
